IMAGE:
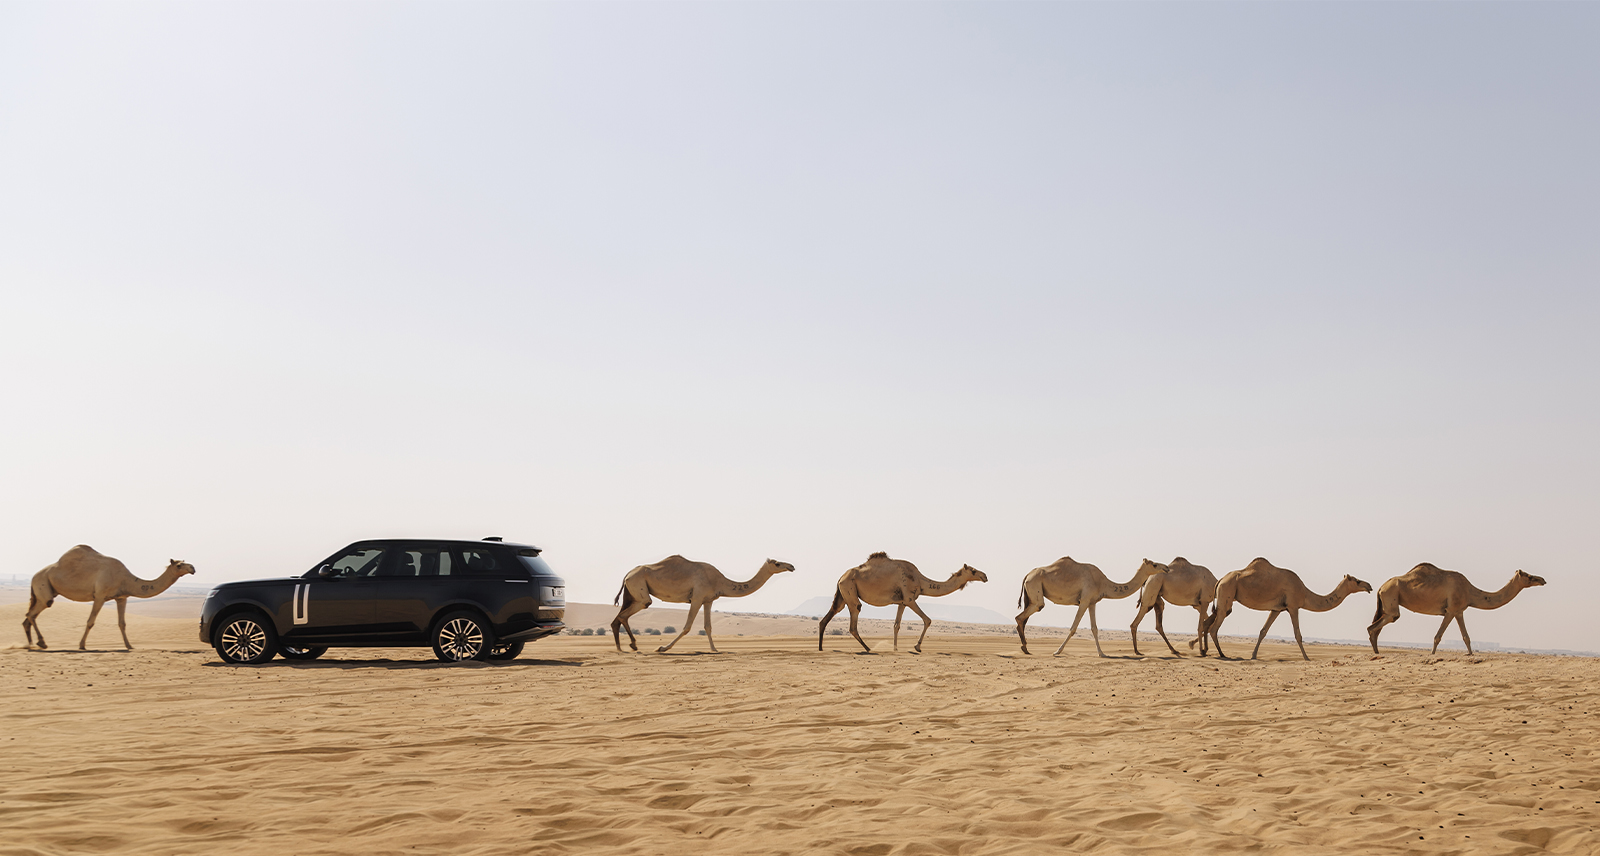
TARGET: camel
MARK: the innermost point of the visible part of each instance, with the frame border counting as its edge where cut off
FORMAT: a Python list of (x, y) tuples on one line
[(882, 581), (1431, 590), (1262, 585), (1186, 584), (83, 574), (1067, 582), (678, 580)]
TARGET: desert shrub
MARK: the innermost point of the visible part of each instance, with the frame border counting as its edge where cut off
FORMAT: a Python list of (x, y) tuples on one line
[(700, 633), (651, 631), (835, 632), (669, 629)]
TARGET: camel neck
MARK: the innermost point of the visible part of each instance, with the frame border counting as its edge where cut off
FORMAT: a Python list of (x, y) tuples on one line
[(740, 589), (1325, 602), (1480, 599), (937, 588), (1122, 590), (150, 588)]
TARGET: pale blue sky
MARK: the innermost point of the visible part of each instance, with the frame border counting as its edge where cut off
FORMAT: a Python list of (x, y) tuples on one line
[(983, 283)]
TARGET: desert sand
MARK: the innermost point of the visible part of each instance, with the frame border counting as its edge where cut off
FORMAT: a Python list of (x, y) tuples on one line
[(773, 747)]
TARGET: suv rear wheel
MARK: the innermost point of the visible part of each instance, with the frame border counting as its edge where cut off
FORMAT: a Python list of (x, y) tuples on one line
[(462, 636), (246, 639)]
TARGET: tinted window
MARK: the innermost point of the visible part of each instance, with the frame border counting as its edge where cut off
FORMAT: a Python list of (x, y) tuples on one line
[(478, 563), (535, 565), (358, 563), (420, 562)]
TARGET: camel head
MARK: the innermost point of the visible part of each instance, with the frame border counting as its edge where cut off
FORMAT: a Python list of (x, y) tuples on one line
[(1150, 567), (969, 574), (773, 566), (180, 566), (1528, 580), (1351, 585)]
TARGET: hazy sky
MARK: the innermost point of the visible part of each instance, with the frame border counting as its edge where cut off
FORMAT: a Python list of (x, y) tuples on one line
[(983, 283)]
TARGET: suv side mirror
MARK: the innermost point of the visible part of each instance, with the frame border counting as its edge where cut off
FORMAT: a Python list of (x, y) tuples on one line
[(326, 572)]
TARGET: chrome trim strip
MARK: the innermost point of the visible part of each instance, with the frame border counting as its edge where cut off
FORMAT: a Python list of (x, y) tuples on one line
[(302, 603)]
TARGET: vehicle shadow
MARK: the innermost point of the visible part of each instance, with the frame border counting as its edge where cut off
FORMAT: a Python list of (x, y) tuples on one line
[(396, 664)]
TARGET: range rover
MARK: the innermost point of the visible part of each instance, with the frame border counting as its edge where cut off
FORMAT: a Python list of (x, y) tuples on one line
[(468, 600)]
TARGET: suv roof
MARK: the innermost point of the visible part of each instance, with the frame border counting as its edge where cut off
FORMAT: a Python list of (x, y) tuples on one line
[(454, 541)]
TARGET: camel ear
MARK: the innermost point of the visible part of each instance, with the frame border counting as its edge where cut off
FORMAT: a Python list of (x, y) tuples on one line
[(172, 561)]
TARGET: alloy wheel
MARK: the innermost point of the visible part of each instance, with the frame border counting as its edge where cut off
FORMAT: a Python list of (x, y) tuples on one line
[(243, 640), (461, 638)]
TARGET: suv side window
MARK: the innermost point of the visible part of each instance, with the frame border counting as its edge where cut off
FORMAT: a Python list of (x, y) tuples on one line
[(478, 563), (420, 562), (363, 562)]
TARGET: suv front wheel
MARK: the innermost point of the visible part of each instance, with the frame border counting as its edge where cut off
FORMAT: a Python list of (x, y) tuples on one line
[(246, 639), (462, 636)]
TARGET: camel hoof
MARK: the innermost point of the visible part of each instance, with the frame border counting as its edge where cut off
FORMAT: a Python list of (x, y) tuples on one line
[(661, 650)]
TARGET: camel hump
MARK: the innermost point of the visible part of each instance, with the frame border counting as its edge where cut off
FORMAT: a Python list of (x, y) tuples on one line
[(82, 548), (879, 555)]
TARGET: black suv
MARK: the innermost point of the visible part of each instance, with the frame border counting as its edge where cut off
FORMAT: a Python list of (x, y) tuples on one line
[(470, 600)]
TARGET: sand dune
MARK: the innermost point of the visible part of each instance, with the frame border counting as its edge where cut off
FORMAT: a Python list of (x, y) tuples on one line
[(776, 748)]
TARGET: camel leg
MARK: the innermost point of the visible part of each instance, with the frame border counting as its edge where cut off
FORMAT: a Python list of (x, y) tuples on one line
[(1461, 622), (1387, 614), (926, 623), (1163, 632), (855, 613), (897, 614), (1436, 637), (1133, 630), (1029, 607), (630, 606), (1070, 633), (1200, 630), (822, 626), (708, 630), (1294, 619), (122, 621), (1271, 617), (95, 610), (1213, 626), (694, 609), (1094, 629), (30, 623)]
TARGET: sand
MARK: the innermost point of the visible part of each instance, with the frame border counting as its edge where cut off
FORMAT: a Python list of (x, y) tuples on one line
[(773, 747)]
